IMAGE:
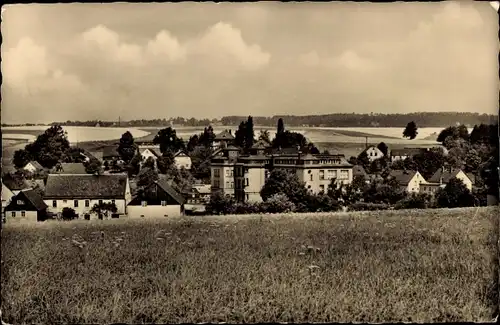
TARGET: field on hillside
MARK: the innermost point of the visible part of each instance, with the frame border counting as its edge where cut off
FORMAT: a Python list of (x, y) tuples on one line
[(417, 266)]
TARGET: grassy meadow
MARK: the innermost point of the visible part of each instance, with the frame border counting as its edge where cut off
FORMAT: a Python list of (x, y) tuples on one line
[(430, 265)]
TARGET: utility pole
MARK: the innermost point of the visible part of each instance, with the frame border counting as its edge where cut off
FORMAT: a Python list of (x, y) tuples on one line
[(366, 143)]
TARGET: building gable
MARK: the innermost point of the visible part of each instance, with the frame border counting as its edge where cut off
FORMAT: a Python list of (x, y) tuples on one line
[(26, 201)]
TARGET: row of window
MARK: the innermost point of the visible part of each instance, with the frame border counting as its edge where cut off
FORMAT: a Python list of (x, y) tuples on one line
[(23, 214), (343, 175), (76, 203)]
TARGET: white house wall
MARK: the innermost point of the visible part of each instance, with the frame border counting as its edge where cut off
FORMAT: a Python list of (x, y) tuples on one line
[(30, 217), (183, 161), (154, 211), (81, 210)]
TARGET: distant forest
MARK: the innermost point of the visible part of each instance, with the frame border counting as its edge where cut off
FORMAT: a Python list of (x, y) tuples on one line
[(427, 119)]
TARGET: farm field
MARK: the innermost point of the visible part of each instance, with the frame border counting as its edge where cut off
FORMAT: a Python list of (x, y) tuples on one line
[(390, 266)]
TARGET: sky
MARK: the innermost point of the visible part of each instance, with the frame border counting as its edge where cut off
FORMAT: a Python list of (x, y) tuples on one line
[(206, 60)]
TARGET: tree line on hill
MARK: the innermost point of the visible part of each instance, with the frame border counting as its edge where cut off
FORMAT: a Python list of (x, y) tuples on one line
[(424, 119)]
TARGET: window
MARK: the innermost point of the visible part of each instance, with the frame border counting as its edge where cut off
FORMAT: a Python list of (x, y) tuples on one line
[(100, 201), (322, 188), (13, 214), (87, 203), (54, 204), (247, 196), (232, 185), (227, 172), (20, 202), (332, 174), (216, 172), (344, 174), (113, 201), (87, 216), (227, 184), (311, 177), (144, 203), (65, 201), (23, 213), (321, 174), (163, 203), (76, 203), (246, 181), (217, 183)]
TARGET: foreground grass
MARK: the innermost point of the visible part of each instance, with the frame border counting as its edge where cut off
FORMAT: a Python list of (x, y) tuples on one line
[(434, 265)]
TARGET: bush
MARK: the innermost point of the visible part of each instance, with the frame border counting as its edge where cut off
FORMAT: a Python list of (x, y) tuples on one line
[(364, 206), (413, 201), (278, 203), (454, 195), (69, 214), (220, 204)]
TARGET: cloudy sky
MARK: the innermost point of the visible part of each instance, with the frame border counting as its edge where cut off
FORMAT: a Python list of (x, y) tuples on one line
[(92, 61)]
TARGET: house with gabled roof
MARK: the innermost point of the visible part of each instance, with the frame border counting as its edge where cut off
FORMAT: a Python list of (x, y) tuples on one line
[(26, 206), (33, 167), (442, 176), (408, 180), (223, 139), (158, 200), (402, 154), (7, 196), (82, 192), (182, 160), (69, 168), (373, 153)]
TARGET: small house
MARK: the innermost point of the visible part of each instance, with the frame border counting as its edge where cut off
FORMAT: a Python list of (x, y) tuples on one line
[(402, 154), (26, 206), (159, 200), (373, 153), (408, 180), (443, 176), (33, 167), (7, 196), (182, 160), (82, 192), (149, 153), (223, 139), (358, 170)]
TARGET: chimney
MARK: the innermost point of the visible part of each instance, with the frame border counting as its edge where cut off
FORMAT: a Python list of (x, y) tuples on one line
[(230, 131)]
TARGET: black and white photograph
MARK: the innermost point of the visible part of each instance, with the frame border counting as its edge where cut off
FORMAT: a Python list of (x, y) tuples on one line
[(258, 162)]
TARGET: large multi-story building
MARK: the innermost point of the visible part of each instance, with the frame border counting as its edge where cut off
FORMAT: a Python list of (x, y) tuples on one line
[(244, 175)]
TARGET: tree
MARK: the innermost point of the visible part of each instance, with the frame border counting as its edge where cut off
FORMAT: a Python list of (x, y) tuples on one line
[(69, 214), (414, 201), (363, 160), (289, 139), (127, 148), (249, 133), (50, 147), (193, 142), (378, 165), (384, 148), (279, 203), (445, 133), (411, 131), (165, 162), (147, 177), (219, 204), (240, 135), (168, 140), (21, 158), (455, 194), (149, 163), (284, 182), (427, 162), (93, 166), (264, 136), (207, 138), (134, 165), (281, 126), (102, 209)]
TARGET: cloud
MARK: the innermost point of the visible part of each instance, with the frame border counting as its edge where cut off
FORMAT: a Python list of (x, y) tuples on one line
[(27, 69), (348, 60), (221, 42)]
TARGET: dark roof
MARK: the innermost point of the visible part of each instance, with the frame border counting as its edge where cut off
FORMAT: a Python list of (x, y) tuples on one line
[(402, 176), (447, 175), (163, 184), (407, 151), (181, 152), (110, 152), (86, 186), (358, 170), (35, 198), (224, 135), (15, 184), (69, 168), (285, 151), (261, 144)]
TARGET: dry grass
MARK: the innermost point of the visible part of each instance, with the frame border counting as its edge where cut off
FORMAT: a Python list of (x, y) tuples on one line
[(433, 265)]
